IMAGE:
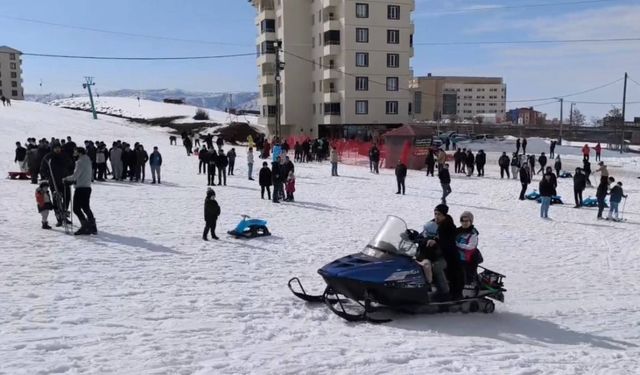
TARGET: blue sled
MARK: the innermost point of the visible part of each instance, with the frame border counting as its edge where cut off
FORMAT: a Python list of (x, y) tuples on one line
[(593, 202), (535, 196), (250, 228)]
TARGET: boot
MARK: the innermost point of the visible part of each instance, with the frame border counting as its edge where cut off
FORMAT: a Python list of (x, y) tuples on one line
[(84, 229), (45, 225), (91, 227)]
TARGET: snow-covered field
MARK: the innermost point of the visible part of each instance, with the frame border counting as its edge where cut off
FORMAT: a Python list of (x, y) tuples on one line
[(148, 296), (147, 109)]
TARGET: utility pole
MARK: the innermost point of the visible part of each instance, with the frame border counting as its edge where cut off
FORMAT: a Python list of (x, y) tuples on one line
[(87, 85), (624, 108), (571, 115), (561, 121), (277, 45)]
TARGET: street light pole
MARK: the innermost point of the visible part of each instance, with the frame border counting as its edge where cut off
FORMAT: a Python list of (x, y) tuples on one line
[(624, 108), (561, 121)]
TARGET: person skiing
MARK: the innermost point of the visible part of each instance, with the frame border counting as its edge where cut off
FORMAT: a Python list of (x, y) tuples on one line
[(290, 187), (601, 194), (515, 166), (557, 165), (401, 175), (525, 179), (616, 196), (43, 200), (524, 146), (504, 162), (598, 150), (211, 214), (231, 156), (264, 179), (82, 197), (481, 160), (250, 163), (542, 160), (155, 164), (467, 243), (585, 152), (517, 146), (430, 162), (445, 182), (546, 190), (579, 184)]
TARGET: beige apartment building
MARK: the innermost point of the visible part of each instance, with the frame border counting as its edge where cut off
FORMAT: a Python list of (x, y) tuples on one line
[(11, 73), (459, 98), (346, 65)]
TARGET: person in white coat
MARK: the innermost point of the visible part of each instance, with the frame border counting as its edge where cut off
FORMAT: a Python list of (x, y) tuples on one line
[(250, 163), (82, 175)]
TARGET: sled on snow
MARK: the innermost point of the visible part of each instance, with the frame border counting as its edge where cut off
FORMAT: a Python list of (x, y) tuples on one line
[(535, 196), (19, 175), (593, 202), (385, 275), (250, 228)]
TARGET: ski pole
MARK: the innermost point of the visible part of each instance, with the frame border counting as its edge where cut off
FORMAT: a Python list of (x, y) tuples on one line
[(623, 206)]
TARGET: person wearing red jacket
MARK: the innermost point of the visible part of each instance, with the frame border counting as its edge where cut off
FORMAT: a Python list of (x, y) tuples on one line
[(43, 199), (585, 152)]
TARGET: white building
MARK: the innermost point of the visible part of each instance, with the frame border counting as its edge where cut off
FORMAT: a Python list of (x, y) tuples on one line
[(460, 98), (347, 64), (11, 73)]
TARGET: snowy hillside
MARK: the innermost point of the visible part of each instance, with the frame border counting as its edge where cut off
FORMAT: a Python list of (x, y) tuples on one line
[(148, 296), (146, 109)]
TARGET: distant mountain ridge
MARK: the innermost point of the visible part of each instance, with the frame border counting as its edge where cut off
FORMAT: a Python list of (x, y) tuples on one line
[(218, 101)]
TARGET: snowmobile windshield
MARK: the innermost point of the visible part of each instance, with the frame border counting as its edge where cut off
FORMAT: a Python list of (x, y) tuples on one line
[(391, 239)]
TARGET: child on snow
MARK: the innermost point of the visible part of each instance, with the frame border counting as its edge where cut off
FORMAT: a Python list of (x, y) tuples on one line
[(616, 196), (43, 199), (290, 187), (211, 213)]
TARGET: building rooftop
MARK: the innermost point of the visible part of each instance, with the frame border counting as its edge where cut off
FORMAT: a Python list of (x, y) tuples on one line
[(461, 79), (9, 49)]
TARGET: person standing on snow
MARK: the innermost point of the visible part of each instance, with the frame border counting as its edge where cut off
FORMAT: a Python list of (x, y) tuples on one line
[(515, 166), (375, 158), (430, 162), (231, 157), (525, 179), (604, 172), (552, 149), (212, 163), (277, 178), (557, 165), (524, 146), (616, 196), (203, 157), (504, 162), (542, 160), (517, 146), (598, 150), (441, 159), (586, 168), (264, 179), (21, 157), (290, 186), (470, 162), (547, 190), (585, 152), (115, 155), (211, 214), (155, 164), (82, 195), (334, 161), (579, 184), (601, 194), (43, 199), (445, 182), (250, 163), (481, 160), (222, 162), (401, 175)]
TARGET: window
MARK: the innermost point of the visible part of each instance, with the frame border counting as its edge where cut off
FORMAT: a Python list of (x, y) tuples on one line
[(332, 37), (268, 26), (362, 35), (392, 107), (313, 86), (362, 10), (331, 108), (14, 93), (393, 60), (393, 12), (267, 90), (362, 59), (393, 36), (13, 65), (392, 83), (417, 102), (313, 106), (12, 56), (14, 84), (362, 107), (269, 110), (362, 83), (267, 47), (14, 75)]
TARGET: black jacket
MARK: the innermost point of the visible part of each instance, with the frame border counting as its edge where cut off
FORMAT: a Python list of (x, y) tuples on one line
[(601, 193), (203, 155), (525, 176), (444, 176), (374, 154), (211, 210), (579, 182), (542, 160), (546, 188), (21, 153), (265, 177), (481, 159), (61, 167), (469, 159), (447, 240), (504, 161), (401, 171), (430, 160), (222, 161)]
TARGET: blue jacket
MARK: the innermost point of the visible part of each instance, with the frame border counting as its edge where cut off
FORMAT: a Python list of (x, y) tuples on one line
[(155, 159)]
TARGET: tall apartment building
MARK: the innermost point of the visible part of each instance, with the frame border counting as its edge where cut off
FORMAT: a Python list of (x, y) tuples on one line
[(11, 73), (460, 98), (347, 65)]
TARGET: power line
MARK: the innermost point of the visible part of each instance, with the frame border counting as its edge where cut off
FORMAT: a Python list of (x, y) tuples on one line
[(508, 7), (633, 80), (80, 57), (547, 41)]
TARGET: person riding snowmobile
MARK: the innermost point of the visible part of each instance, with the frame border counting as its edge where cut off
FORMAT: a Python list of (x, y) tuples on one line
[(446, 240), (432, 260), (467, 243)]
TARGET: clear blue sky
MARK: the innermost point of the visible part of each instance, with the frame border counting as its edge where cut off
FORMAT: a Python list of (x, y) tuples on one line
[(531, 71)]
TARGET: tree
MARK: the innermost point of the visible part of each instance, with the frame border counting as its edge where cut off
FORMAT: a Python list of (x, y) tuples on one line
[(578, 118), (613, 117), (479, 120)]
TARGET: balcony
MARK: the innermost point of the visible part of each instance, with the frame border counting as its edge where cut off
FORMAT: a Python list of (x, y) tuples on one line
[(331, 119), (328, 73), (329, 25), (332, 49), (332, 96), (267, 58)]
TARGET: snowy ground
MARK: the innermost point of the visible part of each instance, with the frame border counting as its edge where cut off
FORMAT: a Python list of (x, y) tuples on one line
[(147, 296), (147, 109)]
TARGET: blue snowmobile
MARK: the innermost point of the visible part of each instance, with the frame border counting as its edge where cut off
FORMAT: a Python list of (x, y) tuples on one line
[(385, 274), (250, 228)]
